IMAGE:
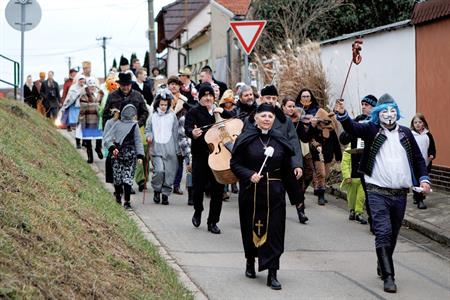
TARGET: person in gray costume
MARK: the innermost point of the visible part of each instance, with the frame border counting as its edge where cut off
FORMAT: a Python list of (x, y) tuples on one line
[(161, 131)]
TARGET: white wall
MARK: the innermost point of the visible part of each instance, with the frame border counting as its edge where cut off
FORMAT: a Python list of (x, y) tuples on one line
[(388, 66)]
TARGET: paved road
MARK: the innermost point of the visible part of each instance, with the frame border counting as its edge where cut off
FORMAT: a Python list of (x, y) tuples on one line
[(330, 258)]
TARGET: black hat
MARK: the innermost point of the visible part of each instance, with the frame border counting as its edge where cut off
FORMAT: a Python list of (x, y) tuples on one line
[(265, 107), (205, 89), (385, 98), (370, 99), (124, 79), (269, 90), (123, 61)]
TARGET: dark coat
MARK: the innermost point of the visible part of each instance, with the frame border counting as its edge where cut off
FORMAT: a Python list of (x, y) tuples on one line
[(30, 96), (373, 138), (245, 109), (345, 138), (265, 200), (199, 116), (118, 100), (50, 94), (222, 86), (146, 91)]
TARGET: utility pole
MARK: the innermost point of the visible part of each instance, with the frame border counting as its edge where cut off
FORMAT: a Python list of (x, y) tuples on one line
[(104, 39), (69, 61), (151, 35)]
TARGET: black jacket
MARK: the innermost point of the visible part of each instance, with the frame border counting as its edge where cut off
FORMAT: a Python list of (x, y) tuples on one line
[(118, 100), (373, 140), (345, 138), (146, 91), (244, 109), (50, 94), (199, 116)]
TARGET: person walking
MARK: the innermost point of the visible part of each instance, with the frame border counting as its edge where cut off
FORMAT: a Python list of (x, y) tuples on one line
[(29, 95), (142, 86), (162, 137), (392, 163), (71, 106), (50, 95), (262, 203), (88, 121), (123, 140), (425, 140)]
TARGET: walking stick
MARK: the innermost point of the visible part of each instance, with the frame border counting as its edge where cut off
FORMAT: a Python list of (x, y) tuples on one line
[(146, 171), (356, 59)]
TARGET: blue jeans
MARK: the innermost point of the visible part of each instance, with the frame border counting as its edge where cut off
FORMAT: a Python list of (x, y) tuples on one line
[(387, 217), (179, 174)]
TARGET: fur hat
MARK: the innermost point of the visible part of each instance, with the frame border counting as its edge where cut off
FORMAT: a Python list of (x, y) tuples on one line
[(174, 79), (370, 99), (123, 61), (205, 89), (269, 90), (265, 107)]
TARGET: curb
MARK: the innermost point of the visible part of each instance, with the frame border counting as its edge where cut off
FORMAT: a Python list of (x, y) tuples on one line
[(427, 229), (149, 235)]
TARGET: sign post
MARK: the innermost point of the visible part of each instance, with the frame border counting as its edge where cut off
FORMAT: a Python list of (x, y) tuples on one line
[(23, 15), (247, 32)]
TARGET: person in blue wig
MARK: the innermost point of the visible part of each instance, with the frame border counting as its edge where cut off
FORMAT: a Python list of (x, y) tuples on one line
[(391, 164)]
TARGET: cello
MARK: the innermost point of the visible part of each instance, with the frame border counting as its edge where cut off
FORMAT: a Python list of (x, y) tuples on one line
[(220, 139)]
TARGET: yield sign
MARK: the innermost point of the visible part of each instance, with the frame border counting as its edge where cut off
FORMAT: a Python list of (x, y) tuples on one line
[(248, 33)]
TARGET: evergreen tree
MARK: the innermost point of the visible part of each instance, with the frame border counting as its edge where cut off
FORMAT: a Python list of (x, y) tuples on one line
[(133, 56), (114, 64), (147, 61)]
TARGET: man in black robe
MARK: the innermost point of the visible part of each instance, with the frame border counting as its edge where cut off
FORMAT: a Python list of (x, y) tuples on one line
[(262, 205)]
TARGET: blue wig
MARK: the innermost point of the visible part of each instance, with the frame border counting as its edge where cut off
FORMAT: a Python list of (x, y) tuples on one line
[(374, 115)]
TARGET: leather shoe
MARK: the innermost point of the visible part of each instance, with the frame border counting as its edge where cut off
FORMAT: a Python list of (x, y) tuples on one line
[(421, 205), (360, 219), (196, 219), (250, 269), (213, 228), (177, 190)]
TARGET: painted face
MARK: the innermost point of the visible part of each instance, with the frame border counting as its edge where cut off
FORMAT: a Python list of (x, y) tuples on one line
[(388, 116), (264, 120), (418, 124)]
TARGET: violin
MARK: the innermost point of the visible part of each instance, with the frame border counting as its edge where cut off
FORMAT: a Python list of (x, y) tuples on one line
[(220, 139)]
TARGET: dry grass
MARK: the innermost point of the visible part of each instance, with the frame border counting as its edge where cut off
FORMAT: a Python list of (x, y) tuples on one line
[(61, 234), (294, 68)]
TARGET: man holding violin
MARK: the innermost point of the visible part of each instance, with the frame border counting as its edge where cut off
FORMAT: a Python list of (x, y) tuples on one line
[(197, 120)]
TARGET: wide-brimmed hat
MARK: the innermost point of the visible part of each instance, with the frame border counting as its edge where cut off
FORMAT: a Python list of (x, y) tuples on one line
[(185, 72), (124, 79)]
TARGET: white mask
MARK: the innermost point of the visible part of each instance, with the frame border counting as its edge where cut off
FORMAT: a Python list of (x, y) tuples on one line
[(388, 116)]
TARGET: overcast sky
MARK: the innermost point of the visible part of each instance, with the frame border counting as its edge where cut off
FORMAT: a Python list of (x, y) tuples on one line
[(70, 28)]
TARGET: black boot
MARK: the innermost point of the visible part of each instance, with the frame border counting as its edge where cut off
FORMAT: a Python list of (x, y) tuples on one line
[(272, 280), (301, 214), (360, 219), (250, 268), (387, 269), (157, 197), (321, 197), (213, 228), (127, 196), (90, 155), (78, 143), (142, 186), (118, 193), (99, 152), (421, 205), (190, 196), (165, 200)]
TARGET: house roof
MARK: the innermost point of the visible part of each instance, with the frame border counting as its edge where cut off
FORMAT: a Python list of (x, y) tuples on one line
[(172, 17), (238, 7), (430, 10)]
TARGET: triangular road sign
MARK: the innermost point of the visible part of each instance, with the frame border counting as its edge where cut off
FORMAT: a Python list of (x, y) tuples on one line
[(248, 33)]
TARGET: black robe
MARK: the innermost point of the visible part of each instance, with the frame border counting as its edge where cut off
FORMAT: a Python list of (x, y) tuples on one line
[(258, 207)]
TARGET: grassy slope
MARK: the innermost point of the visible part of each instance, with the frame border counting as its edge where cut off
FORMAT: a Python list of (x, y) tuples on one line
[(61, 234)]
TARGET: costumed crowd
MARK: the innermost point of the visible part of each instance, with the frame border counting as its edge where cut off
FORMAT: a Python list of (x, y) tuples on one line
[(171, 127)]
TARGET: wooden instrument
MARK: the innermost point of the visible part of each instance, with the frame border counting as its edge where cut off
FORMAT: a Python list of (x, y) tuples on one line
[(220, 139)]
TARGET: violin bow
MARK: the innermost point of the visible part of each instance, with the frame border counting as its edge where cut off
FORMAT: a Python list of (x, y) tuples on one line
[(356, 59)]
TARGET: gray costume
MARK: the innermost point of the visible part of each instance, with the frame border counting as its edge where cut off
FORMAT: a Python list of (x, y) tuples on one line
[(162, 129)]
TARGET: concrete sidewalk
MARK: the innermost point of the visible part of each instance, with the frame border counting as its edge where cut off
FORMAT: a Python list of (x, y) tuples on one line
[(434, 222)]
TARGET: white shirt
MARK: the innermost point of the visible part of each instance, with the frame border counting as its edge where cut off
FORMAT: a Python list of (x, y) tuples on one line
[(391, 168), (140, 85), (423, 141)]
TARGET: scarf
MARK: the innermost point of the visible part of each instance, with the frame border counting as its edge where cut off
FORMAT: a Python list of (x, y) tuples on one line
[(120, 129)]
